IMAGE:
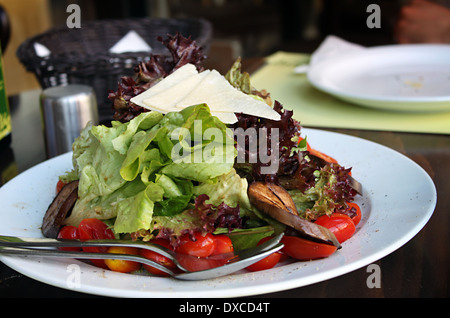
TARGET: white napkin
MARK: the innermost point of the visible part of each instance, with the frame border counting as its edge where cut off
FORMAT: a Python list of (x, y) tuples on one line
[(331, 46), (131, 42), (41, 50)]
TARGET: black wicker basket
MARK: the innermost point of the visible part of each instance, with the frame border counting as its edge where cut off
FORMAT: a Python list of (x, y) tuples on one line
[(82, 55)]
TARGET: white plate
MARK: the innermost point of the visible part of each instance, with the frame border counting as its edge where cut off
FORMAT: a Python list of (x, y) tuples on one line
[(399, 198), (396, 77)]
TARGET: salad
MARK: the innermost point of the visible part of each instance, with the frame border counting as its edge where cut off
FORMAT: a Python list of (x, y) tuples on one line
[(225, 172)]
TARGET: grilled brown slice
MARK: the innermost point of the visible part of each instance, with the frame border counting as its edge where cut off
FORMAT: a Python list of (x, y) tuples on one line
[(59, 209), (276, 202)]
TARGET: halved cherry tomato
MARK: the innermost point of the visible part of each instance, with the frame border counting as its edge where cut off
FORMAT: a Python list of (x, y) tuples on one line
[(223, 244), (194, 264), (69, 232), (122, 266), (323, 156), (267, 262), (200, 245), (197, 259), (357, 218), (340, 224), (94, 229), (305, 250), (158, 258)]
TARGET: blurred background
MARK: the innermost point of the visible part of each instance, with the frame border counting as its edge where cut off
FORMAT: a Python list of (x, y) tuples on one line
[(243, 28)]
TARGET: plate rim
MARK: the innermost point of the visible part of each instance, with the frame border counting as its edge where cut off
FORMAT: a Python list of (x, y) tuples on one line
[(275, 286)]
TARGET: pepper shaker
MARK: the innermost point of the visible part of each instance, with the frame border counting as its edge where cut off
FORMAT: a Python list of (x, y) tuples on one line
[(65, 112)]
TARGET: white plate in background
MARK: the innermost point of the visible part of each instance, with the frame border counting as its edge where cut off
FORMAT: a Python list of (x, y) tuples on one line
[(412, 78)]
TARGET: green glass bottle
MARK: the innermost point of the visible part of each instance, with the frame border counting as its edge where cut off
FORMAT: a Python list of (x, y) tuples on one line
[(5, 116)]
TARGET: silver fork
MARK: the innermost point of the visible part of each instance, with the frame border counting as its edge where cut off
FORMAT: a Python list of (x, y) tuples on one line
[(205, 268)]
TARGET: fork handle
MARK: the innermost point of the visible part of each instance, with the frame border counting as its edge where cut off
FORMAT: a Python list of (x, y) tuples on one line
[(22, 251), (13, 241)]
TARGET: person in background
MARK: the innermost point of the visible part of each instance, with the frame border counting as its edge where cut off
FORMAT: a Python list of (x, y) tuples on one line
[(423, 21)]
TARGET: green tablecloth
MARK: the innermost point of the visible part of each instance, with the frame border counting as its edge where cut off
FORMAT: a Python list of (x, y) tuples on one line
[(314, 108)]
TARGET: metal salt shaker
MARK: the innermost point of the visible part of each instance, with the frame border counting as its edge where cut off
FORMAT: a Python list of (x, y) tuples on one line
[(65, 112)]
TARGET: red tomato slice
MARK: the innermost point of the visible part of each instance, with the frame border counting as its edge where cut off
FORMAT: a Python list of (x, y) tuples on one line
[(223, 245), (203, 249), (340, 224), (322, 155), (94, 229), (69, 232), (305, 250), (357, 218), (267, 262), (200, 245), (195, 264), (158, 258)]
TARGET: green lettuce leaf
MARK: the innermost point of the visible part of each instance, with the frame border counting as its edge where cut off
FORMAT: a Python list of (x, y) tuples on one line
[(230, 189), (248, 238), (137, 155), (136, 212), (130, 173), (177, 195), (206, 146), (238, 79)]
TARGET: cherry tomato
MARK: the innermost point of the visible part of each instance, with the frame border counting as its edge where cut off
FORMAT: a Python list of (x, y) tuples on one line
[(283, 255), (158, 258), (59, 185), (200, 245), (340, 224), (69, 232), (357, 218), (305, 250), (223, 245), (267, 262), (194, 264), (122, 266), (94, 229)]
